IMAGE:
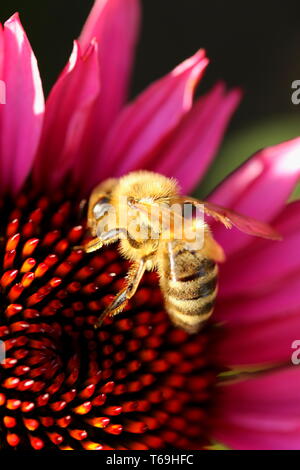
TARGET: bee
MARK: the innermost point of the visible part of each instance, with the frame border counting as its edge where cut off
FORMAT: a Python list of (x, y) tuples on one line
[(188, 274)]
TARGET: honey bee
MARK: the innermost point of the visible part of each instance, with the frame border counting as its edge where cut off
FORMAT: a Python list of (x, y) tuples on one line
[(188, 276)]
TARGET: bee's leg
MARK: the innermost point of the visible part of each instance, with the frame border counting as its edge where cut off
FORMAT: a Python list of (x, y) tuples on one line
[(134, 277), (104, 239), (93, 245)]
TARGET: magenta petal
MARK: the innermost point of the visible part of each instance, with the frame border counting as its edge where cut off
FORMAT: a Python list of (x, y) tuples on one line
[(259, 299), (259, 189), (238, 437), (145, 124), (283, 298), (115, 24), (22, 116), (68, 111), (265, 263), (265, 409), (274, 393), (260, 343), (197, 138), (2, 51)]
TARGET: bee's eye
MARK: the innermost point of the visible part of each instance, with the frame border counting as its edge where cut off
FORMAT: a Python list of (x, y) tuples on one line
[(101, 208), (97, 210)]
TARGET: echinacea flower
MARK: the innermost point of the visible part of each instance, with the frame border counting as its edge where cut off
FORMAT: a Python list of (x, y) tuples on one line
[(138, 382)]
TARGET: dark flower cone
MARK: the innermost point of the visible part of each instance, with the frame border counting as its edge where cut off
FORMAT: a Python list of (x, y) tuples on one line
[(137, 383)]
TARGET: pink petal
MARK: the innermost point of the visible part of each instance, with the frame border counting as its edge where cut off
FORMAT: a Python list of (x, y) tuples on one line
[(251, 289), (282, 299), (258, 343), (198, 137), (262, 412), (67, 116), (259, 189), (114, 23), (263, 392), (146, 123), (22, 115), (254, 270), (243, 438), (2, 51)]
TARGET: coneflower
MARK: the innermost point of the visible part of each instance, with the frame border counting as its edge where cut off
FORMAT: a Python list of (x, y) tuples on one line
[(138, 382)]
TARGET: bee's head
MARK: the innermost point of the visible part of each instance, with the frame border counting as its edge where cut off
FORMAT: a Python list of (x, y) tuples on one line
[(140, 193), (147, 186), (134, 195)]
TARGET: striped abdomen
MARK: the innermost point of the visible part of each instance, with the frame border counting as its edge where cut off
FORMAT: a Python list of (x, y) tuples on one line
[(189, 285)]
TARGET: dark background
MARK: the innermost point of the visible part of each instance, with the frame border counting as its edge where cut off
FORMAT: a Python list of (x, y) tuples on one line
[(252, 44)]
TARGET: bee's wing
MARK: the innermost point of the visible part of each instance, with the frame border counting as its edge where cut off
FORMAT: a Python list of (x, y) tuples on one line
[(228, 218), (209, 246)]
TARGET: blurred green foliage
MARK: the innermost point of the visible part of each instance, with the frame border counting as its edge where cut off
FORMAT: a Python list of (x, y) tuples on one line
[(238, 146)]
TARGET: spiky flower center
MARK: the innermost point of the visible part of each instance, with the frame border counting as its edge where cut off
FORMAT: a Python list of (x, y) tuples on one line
[(137, 383)]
